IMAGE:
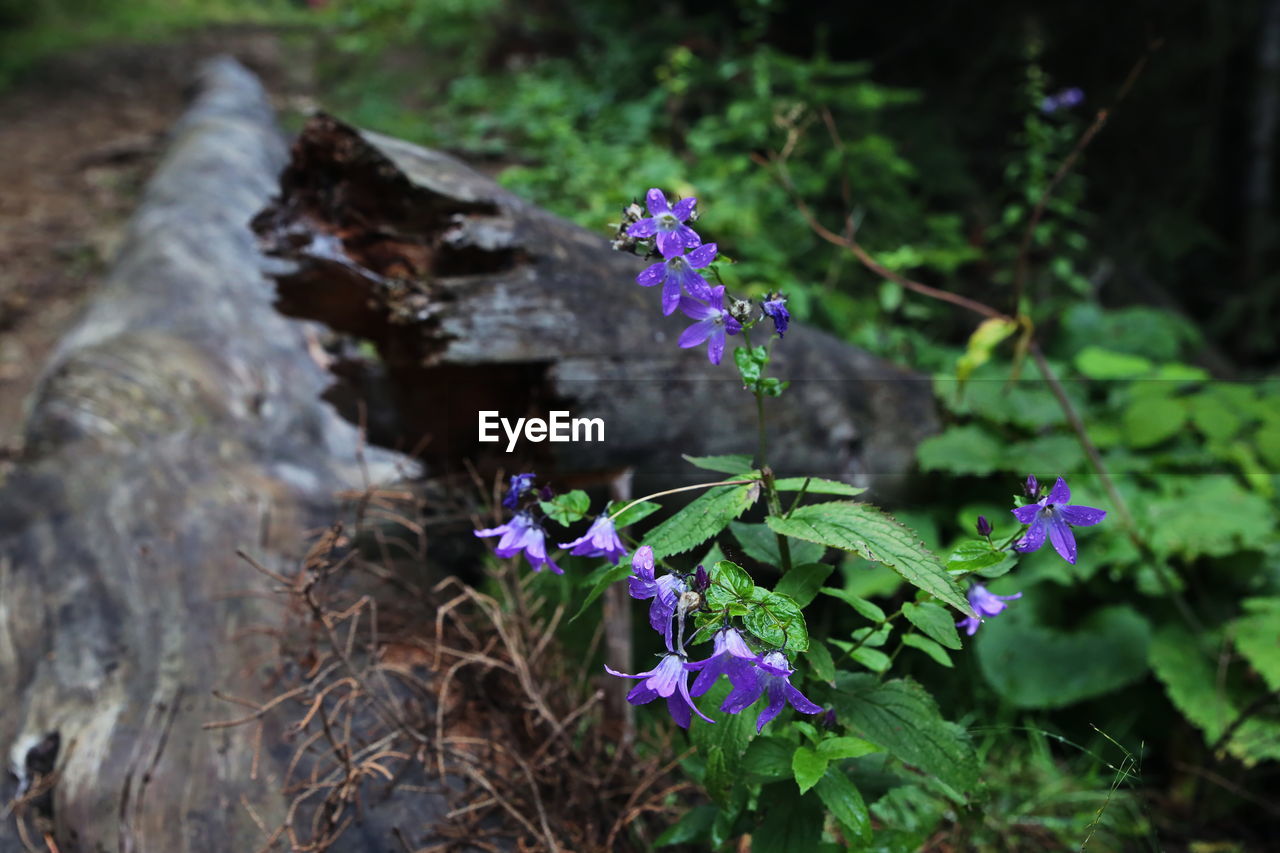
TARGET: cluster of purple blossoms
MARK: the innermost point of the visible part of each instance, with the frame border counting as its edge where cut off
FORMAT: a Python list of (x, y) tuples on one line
[(1050, 517), (1065, 99), (683, 285), (524, 533), (750, 674)]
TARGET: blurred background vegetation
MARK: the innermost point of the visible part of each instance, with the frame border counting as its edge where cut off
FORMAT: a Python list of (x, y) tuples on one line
[(1131, 699)]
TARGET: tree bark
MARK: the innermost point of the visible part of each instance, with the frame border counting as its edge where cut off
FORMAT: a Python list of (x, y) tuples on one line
[(478, 301), (180, 420)]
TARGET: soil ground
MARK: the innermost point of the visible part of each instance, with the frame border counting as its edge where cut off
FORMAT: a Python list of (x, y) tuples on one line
[(79, 135)]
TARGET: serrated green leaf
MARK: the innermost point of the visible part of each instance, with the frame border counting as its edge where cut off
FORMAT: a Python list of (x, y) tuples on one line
[(1032, 665), (817, 486), (777, 621), (902, 717), (819, 657), (970, 556), (768, 758), (634, 513), (703, 518), (729, 582), (600, 580), (807, 766), (1211, 515), (844, 801), (929, 647), (836, 748), (1257, 638), (567, 508), (734, 463), (802, 583), (934, 621), (868, 610), (867, 531), (791, 822), (761, 543)]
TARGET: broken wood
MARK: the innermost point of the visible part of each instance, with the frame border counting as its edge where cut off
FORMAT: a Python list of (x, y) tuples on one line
[(479, 301)]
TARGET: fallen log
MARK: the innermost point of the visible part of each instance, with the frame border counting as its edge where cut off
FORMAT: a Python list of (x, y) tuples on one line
[(477, 301), (181, 419)]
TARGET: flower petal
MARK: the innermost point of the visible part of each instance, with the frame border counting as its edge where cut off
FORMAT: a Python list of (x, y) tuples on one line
[(1064, 541), (643, 228), (670, 243), (715, 346), (670, 295), (683, 208), (697, 333), (683, 687), (702, 256), (777, 699), (1082, 516), (801, 702), (742, 696), (695, 310), (656, 202), (1059, 494), (688, 237), (652, 275), (1033, 538), (678, 708), (1026, 514)]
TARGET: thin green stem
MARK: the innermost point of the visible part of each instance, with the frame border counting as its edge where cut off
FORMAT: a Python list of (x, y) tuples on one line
[(681, 489)]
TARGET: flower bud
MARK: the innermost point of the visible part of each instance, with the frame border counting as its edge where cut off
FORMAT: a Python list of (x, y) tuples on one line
[(1033, 486), (984, 526), (701, 580)]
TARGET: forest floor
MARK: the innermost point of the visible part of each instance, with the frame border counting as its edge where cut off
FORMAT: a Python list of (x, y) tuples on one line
[(80, 135)]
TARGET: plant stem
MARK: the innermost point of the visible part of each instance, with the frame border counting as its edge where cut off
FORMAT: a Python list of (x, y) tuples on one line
[(681, 489)]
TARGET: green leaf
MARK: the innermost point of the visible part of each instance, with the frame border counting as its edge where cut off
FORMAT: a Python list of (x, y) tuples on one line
[(1209, 515), (866, 609), (968, 449), (567, 508), (824, 668), (1148, 421), (817, 486), (844, 801), (873, 659), (901, 717), (761, 543), (1194, 686), (985, 338), (1257, 638), (703, 518), (846, 747), (736, 463), (802, 583), (867, 531), (791, 822), (1098, 363), (970, 556), (722, 746), (934, 621), (777, 621), (808, 767), (729, 583), (601, 579), (768, 759), (929, 647), (634, 513), (1032, 665), (694, 826)]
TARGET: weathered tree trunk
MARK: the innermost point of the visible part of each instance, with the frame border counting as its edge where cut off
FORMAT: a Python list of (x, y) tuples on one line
[(478, 301), (179, 421)]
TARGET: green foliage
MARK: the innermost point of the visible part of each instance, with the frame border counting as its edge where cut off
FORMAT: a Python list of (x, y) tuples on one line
[(761, 543), (565, 509), (703, 518), (871, 534)]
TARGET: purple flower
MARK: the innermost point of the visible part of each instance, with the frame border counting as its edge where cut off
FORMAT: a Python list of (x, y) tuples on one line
[(1051, 515), (520, 483), (775, 308), (600, 540), (713, 322), (1062, 100), (667, 223), (732, 657), (665, 591), (985, 604), (774, 680), (680, 272), (670, 680), (984, 526), (522, 533), (701, 580)]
